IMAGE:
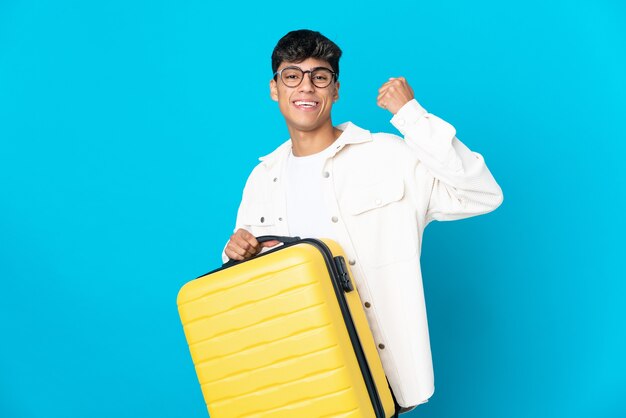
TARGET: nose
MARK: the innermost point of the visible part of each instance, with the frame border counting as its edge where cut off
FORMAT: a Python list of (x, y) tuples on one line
[(307, 83)]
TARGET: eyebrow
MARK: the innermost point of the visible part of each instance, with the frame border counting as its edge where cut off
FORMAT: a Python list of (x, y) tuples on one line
[(312, 69)]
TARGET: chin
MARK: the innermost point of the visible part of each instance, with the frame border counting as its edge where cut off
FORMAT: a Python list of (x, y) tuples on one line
[(306, 126)]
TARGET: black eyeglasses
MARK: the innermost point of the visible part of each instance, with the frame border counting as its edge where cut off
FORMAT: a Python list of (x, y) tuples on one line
[(320, 76)]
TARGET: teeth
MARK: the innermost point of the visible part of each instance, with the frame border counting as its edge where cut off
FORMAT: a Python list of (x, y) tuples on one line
[(306, 104)]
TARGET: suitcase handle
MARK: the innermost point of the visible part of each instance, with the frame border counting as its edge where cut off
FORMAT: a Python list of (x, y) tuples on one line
[(264, 238), (283, 239)]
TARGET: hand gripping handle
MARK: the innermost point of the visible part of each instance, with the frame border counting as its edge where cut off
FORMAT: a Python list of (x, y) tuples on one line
[(260, 239)]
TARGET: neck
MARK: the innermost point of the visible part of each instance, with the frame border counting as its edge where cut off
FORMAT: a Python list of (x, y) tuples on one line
[(311, 142)]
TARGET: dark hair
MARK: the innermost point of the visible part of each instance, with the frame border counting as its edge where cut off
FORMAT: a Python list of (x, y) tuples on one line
[(298, 45)]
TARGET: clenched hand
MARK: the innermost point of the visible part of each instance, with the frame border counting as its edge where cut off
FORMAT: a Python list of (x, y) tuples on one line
[(243, 245), (394, 94)]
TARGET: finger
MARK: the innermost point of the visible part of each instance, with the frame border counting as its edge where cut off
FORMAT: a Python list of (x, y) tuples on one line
[(233, 256), (251, 240), (249, 253), (270, 243), (247, 241), (229, 253), (235, 252), (391, 88), (407, 86), (396, 91), (241, 246), (385, 96), (382, 103), (386, 84), (394, 80)]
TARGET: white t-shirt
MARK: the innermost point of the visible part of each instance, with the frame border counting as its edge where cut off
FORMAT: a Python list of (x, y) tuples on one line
[(307, 214)]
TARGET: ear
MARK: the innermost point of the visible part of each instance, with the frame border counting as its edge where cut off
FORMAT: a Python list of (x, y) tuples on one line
[(273, 90), (336, 95)]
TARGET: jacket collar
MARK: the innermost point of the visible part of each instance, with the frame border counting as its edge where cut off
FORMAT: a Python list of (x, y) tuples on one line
[(352, 134)]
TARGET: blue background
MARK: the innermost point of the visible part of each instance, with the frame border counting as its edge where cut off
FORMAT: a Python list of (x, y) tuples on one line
[(127, 130)]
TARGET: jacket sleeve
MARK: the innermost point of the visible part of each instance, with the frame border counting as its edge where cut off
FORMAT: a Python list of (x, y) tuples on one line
[(460, 182), (245, 200)]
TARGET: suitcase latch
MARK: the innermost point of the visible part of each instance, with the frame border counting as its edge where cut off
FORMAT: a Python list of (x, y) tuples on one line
[(344, 277)]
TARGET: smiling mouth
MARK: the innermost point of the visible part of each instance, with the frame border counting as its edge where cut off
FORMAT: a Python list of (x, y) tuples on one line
[(305, 104)]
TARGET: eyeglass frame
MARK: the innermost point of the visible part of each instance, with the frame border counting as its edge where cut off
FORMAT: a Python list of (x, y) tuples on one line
[(279, 73)]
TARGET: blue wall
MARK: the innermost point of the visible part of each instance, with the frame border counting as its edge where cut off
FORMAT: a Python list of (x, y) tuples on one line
[(127, 130)]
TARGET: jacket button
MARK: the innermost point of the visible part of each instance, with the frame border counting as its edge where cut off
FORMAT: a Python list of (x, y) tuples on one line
[(351, 262), (275, 179), (326, 174), (262, 219), (381, 346), (334, 219), (280, 219), (367, 304)]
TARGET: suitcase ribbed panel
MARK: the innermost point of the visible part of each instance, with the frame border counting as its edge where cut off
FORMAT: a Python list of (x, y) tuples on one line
[(268, 340)]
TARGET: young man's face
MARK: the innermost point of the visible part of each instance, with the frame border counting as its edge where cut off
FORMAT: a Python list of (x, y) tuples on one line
[(305, 107)]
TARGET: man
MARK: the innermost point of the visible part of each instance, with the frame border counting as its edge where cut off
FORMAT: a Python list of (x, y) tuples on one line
[(372, 193)]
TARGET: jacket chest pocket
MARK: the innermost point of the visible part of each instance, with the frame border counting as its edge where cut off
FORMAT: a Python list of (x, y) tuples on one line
[(369, 197), (380, 223), (259, 219)]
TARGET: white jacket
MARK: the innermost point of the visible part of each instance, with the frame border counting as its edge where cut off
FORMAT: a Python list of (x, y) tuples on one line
[(382, 192)]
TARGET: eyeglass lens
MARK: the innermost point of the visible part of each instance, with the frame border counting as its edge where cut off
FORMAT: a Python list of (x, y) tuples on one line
[(320, 77)]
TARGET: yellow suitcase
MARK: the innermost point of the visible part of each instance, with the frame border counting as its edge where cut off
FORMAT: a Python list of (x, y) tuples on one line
[(284, 335)]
